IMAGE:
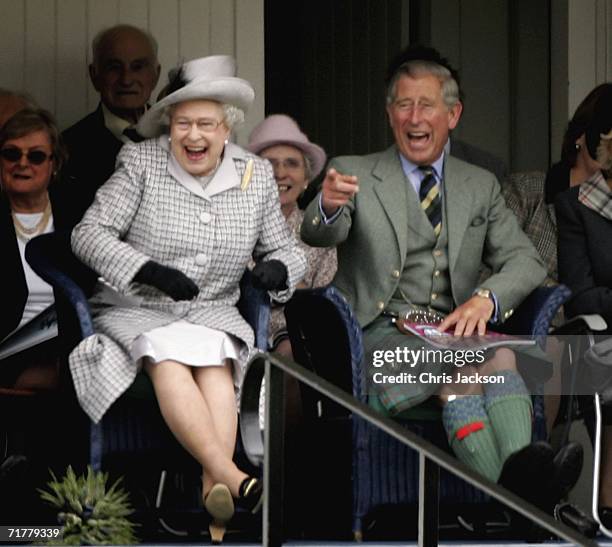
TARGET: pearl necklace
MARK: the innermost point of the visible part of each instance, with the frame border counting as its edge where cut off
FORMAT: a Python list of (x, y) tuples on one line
[(25, 233)]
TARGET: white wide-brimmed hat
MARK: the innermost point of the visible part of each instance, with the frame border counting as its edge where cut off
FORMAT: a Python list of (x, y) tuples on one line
[(212, 78), (281, 129)]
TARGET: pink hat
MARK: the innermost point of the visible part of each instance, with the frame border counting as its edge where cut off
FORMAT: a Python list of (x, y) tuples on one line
[(281, 129)]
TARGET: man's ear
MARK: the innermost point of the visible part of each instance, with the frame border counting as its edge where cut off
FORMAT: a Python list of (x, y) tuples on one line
[(454, 114), (93, 76)]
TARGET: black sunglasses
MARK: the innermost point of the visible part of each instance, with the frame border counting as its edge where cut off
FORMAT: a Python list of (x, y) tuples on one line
[(35, 157)]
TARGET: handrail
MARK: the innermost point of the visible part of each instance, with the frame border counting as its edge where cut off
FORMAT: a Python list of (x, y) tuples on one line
[(269, 451)]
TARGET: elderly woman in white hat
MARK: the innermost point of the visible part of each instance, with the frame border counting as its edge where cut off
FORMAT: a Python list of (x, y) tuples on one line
[(172, 232), (296, 162)]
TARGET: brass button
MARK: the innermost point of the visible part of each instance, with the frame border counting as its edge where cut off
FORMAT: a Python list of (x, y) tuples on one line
[(395, 273), (437, 273), (380, 306), (437, 252), (434, 295)]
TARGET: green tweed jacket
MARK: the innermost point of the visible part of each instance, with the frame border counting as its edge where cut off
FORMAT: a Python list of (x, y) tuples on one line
[(374, 235)]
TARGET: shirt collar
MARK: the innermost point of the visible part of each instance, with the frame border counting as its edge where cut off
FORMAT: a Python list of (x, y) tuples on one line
[(409, 167), (115, 124)]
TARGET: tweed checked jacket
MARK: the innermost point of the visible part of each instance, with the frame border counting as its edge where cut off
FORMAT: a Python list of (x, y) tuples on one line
[(375, 235), (151, 209)]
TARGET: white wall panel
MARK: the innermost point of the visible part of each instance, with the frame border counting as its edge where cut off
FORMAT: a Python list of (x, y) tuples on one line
[(45, 45), (134, 12), (100, 14), (12, 44), (222, 26), (194, 22), (39, 61), (163, 24), (72, 80), (250, 60)]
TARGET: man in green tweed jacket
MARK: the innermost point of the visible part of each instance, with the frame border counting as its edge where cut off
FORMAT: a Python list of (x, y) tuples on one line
[(413, 226)]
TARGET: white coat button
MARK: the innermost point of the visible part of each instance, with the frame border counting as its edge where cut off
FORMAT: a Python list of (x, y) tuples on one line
[(380, 306), (395, 274), (437, 252), (201, 259), (437, 273), (434, 295), (205, 217)]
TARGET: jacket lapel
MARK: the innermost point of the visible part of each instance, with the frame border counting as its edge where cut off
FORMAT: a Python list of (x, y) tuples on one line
[(458, 203), (391, 191), (226, 176)]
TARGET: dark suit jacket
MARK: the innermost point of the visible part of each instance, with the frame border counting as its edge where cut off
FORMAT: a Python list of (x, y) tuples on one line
[(585, 256), (67, 209), (92, 150)]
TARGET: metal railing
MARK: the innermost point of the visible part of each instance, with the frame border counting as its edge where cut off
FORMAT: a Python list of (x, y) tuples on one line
[(268, 451)]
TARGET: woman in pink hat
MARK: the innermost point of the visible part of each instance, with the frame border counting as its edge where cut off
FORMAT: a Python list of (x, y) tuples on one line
[(296, 162)]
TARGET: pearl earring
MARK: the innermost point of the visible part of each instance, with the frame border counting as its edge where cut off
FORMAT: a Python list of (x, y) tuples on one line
[(169, 139), (225, 142), (577, 146)]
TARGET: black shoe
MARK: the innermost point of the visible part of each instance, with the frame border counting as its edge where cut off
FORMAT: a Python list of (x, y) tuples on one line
[(575, 518), (567, 466), (251, 494), (529, 471)]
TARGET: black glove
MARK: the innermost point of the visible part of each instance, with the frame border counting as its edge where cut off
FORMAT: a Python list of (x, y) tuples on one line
[(270, 275), (168, 280)]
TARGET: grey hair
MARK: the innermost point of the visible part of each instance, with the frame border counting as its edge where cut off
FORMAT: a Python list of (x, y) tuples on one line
[(26, 98), (106, 34), (418, 68), (232, 115), (604, 151)]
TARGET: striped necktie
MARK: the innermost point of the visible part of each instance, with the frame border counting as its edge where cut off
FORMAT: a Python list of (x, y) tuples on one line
[(429, 195)]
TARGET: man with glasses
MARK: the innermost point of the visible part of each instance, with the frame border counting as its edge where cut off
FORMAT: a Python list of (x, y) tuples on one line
[(124, 71)]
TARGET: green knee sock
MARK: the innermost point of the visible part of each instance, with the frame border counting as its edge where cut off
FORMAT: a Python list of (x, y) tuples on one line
[(509, 407), (470, 435)]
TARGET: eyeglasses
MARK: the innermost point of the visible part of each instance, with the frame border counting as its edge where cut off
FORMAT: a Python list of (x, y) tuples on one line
[(204, 125), (287, 163), (13, 155)]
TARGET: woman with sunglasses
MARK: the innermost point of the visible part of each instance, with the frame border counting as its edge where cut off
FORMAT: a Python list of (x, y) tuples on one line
[(31, 155)]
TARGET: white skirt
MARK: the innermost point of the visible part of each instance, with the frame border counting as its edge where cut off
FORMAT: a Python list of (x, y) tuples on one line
[(184, 342)]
